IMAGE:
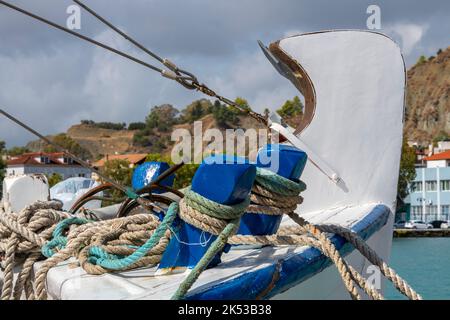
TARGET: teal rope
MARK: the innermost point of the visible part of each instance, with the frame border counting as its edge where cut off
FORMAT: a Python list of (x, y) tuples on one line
[(59, 241), (215, 247), (99, 257), (224, 212), (131, 194), (278, 184), (214, 209)]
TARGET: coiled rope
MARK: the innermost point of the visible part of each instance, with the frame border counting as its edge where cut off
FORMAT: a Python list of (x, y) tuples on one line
[(100, 246), (140, 240), (217, 219), (276, 195), (21, 237)]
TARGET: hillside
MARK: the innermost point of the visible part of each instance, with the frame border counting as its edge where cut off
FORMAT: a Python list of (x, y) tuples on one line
[(100, 141), (427, 99), (97, 141), (427, 116)]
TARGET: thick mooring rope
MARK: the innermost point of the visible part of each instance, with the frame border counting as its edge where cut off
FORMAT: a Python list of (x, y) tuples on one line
[(21, 238), (218, 219), (100, 247), (140, 240), (282, 195)]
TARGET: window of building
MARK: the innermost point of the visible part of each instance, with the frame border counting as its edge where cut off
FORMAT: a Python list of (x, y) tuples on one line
[(416, 210), (81, 175), (416, 186), (431, 186), (445, 209), (431, 209), (68, 160), (445, 185), (45, 159)]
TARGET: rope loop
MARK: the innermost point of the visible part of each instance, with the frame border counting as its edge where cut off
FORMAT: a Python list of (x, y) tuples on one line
[(59, 241), (214, 209), (278, 184), (100, 257)]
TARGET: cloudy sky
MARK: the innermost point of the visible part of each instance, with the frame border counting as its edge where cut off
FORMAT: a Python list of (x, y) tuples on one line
[(52, 80)]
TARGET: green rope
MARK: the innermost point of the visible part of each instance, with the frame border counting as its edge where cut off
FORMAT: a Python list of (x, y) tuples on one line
[(215, 247), (278, 184), (214, 209), (131, 194), (265, 178), (59, 241), (221, 211), (113, 262)]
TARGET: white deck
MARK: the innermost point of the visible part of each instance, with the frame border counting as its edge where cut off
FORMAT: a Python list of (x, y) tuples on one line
[(68, 281)]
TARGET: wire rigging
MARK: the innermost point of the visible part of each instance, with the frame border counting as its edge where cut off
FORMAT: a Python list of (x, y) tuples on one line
[(187, 79)]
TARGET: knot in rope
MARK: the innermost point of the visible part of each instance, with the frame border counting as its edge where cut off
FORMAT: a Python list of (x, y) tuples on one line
[(21, 236), (208, 215), (218, 219), (273, 194)]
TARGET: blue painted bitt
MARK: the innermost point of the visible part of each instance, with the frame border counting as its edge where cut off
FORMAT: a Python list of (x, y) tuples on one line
[(291, 163), (292, 270), (148, 172), (223, 179)]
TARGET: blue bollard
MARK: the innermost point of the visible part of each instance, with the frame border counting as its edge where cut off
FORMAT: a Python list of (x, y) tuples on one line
[(226, 180), (291, 162), (148, 172)]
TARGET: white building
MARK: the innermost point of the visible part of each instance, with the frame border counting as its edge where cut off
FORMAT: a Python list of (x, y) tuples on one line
[(430, 190), (46, 163)]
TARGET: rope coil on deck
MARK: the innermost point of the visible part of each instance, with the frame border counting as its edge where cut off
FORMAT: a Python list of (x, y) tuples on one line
[(21, 237), (218, 219), (140, 240), (101, 246)]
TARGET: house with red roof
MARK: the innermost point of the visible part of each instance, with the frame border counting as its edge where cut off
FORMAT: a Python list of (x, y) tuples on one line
[(46, 163), (440, 160)]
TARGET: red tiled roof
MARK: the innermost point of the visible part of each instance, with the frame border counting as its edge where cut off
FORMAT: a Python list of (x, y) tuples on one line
[(439, 156), (132, 158), (29, 159)]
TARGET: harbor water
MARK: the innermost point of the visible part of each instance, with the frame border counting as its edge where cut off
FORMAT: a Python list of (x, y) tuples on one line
[(424, 263)]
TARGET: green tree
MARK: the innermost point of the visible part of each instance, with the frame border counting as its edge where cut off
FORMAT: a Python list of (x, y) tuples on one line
[(136, 126), (161, 117), (68, 143), (407, 169), (105, 125), (291, 108), (422, 60), (243, 104), (183, 176), (17, 151), (120, 171), (196, 110), (223, 114), (54, 178), (442, 136)]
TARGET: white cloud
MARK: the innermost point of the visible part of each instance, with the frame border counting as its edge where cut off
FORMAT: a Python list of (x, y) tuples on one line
[(410, 34), (253, 77)]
